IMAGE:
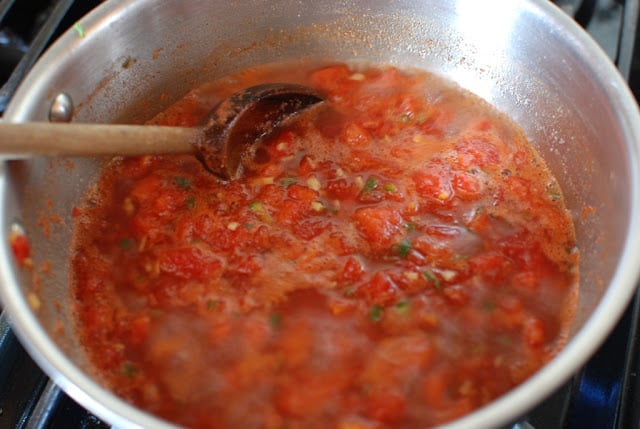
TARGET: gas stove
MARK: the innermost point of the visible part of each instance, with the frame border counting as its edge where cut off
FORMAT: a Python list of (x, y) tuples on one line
[(605, 393)]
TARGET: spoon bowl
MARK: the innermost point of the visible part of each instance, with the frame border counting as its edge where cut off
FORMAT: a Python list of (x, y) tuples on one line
[(224, 141)]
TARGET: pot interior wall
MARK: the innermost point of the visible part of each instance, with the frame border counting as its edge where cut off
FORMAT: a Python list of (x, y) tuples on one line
[(142, 55)]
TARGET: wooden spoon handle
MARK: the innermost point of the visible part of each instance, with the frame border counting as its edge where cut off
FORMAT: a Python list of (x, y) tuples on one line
[(78, 139)]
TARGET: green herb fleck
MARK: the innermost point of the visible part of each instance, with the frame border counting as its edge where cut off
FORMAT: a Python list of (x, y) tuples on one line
[(402, 307), (404, 247), (370, 185), (275, 320), (212, 304), (349, 291), (405, 118), (411, 227), (126, 243), (489, 306), (433, 279), (376, 313), (183, 182), (127, 62), (128, 370), (288, 181), (190, 202), (390, 187), (79, 29), (259, 210), (256, 206)]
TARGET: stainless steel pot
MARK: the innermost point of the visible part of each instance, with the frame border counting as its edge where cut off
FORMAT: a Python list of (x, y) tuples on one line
[(137, 56)]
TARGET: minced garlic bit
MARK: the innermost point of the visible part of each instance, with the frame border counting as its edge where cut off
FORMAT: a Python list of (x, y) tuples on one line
[(282, 146), (142, 244), (443, 195), (357, 76), (360, 182), (128, 206), (34, 301), (448, 275), (411, 275), (317, 206), (152, 267), (314, 183), (233, 226), (430, 319), (339, 172), (262, 181), (310, 161), (467, 388), (419, 138)]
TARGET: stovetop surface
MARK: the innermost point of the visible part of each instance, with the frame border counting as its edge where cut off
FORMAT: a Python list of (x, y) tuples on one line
[(604, 394)]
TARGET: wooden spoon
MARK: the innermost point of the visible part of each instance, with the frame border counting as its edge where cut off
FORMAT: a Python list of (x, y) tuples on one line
[(225, 140)]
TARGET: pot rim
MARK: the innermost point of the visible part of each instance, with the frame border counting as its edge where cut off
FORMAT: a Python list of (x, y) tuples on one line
[(501, 411)]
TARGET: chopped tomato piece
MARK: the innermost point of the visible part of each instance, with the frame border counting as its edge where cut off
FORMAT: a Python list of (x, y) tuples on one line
[(189, 262), (476, 152), (140, 327), (379, 290), (20, 247), (380, 226)]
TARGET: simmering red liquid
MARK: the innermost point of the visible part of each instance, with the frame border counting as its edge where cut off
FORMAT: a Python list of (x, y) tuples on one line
[(402, 258)]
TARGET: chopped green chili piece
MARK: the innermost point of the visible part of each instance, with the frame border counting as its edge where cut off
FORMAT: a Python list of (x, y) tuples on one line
[(275, 320), (128, 370), (404, 247), (258, 209), (555, 196), (390, 187), (190, 202), (432, 278), (126, 243), (212, 304), (79, 29), (256, 206), (349, 291), (370, 184), (183, 182), (402, 307), (411, 227), (376, 313), (288, 181)]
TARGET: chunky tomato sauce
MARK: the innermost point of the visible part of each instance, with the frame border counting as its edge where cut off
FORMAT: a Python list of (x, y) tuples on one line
[(400, 257)]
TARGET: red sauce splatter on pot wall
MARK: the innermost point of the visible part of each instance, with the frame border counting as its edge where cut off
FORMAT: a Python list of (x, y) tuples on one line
[(402, 259)]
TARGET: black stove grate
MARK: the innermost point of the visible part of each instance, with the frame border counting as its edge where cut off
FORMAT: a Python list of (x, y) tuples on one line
[(604, 394)]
